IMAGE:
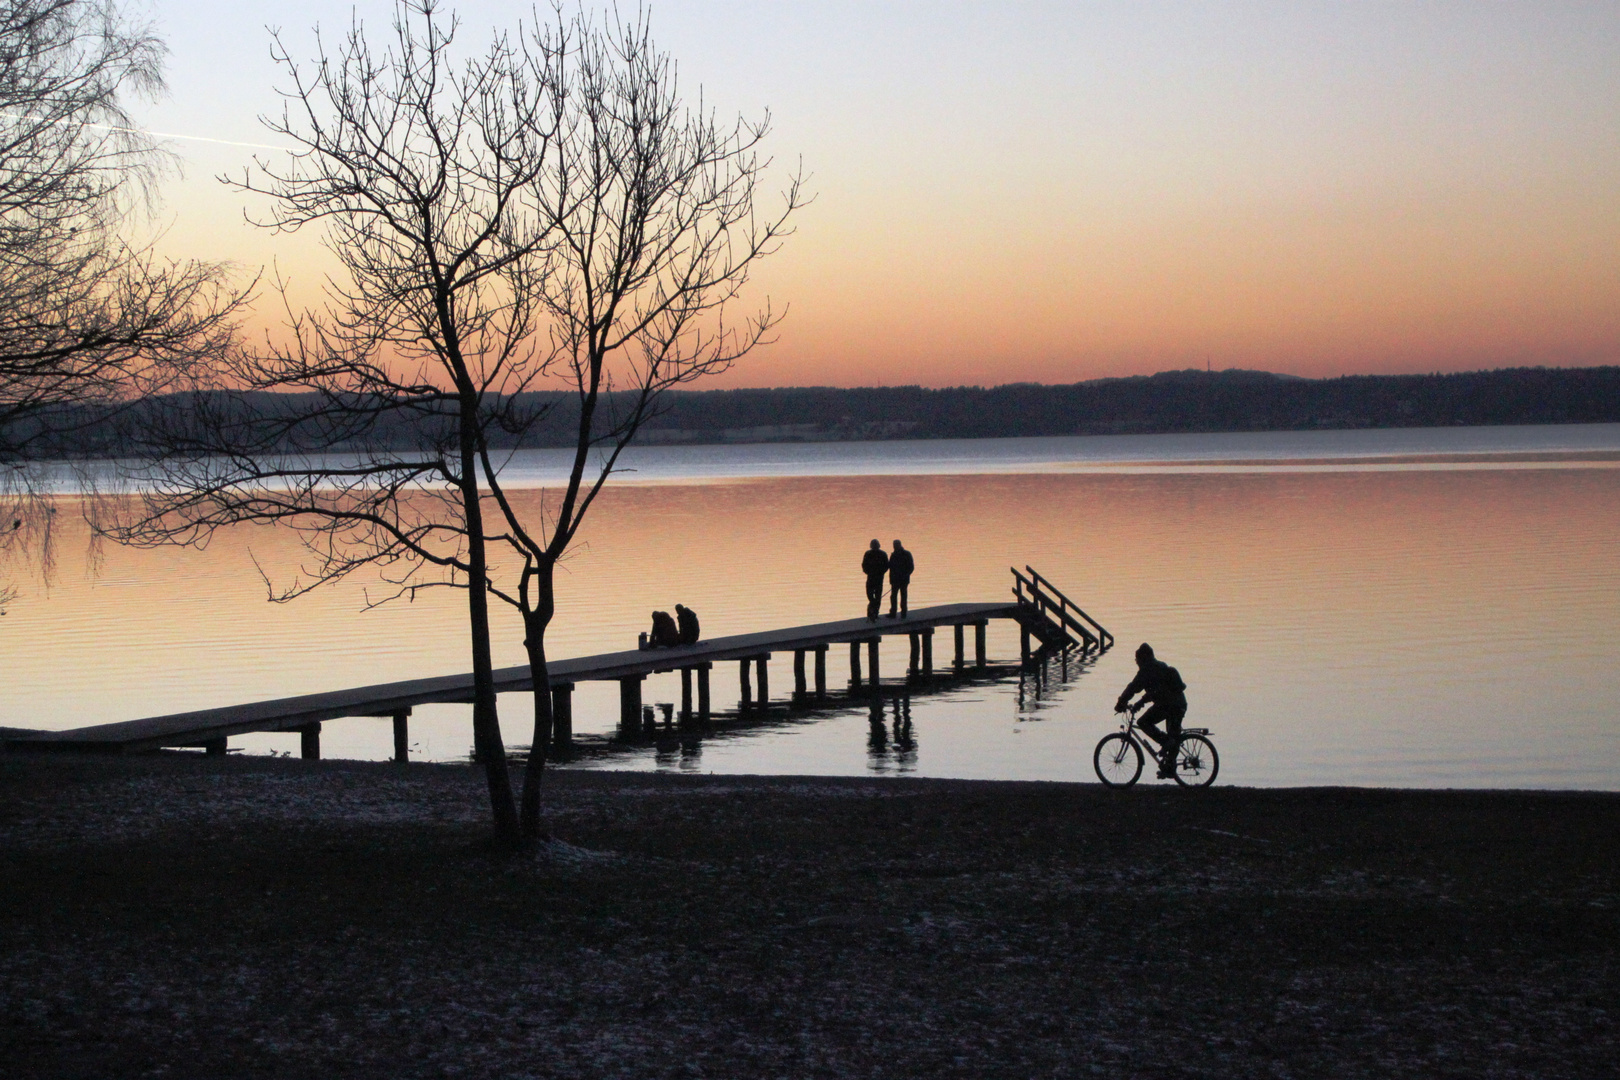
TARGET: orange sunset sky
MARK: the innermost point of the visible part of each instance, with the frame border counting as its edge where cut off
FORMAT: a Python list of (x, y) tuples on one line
[(1060, 191)]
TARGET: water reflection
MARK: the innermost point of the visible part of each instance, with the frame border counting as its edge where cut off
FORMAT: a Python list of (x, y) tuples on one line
[(1369, 627), (1039, 680), (891, 751), (676, 742)]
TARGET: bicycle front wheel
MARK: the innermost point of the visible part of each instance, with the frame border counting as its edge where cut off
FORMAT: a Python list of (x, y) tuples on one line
[(1118, 760), (1196, 762)]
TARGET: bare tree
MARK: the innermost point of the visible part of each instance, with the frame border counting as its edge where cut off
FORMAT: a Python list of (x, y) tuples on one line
[(543, 215), (654, 229), (89, 319), (415, 166)]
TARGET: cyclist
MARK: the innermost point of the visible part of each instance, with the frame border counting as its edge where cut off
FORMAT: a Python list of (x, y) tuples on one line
[(1160, 684)]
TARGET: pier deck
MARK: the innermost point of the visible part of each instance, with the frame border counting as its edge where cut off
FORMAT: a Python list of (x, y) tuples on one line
[(305, 712)]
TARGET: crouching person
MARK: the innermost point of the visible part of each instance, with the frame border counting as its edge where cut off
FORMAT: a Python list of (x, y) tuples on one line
[(687, 622)]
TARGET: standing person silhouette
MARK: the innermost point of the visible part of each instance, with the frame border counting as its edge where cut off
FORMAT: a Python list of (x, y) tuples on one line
[(901, 567), (875, 565), (1160, 684)]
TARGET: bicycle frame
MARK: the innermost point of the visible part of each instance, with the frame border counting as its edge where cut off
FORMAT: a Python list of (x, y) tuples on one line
[(1146, 743), (1140, 737)]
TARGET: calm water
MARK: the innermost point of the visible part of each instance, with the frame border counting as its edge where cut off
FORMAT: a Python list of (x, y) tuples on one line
[(1432, 607)]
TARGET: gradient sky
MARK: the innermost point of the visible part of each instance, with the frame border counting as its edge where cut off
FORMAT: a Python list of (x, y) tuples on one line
[(1059, 191)]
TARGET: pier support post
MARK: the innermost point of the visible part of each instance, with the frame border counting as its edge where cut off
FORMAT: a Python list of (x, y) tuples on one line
[(961, 652), (763, 697), (1023, 643), (746, 700), (821, 672), (872, 664), (686, 694), (928, 652), (402, 736), (309, 742), (799, 689), (978, 645), (630, 702), (854, 665), (562, 715), (914, 665), (703, 692), (214, 747)]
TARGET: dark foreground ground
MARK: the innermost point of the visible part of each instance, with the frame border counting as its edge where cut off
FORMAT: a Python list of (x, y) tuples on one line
[(185, 917)]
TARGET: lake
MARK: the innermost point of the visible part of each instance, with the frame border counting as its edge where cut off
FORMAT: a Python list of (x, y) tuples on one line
[(1430, 607)]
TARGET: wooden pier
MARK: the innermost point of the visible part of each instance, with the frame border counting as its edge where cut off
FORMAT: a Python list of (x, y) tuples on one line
[(1043, 614)]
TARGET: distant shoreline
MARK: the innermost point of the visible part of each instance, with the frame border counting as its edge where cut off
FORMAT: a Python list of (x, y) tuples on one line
[(1171, 402)]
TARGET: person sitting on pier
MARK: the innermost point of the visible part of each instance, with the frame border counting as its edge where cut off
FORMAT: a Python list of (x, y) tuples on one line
[(901, 567), (1160, 684), (687, 620), (665, 634), (875, 565)]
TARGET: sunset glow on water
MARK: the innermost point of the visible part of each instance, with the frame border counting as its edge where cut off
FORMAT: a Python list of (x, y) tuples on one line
[(1411, 625)]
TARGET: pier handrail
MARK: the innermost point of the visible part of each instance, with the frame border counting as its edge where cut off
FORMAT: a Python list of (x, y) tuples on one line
[(1060, 605), (1103, 635), (1050, 608)]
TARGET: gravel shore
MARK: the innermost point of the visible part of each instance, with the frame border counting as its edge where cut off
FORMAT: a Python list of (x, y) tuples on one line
[(179, 916)]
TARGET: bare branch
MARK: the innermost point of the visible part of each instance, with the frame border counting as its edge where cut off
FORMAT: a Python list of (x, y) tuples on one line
[(542, 213), (89, 321)]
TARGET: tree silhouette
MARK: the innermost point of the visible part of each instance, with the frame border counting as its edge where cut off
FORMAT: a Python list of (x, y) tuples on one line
[(90, 319), (542, 214)]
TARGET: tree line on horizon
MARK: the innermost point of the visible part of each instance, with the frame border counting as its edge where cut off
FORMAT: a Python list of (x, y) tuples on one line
[(1170, 402), (1165, 403)]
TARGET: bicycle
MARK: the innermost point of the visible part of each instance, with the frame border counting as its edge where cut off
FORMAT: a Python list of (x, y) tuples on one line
[(1118, 757)]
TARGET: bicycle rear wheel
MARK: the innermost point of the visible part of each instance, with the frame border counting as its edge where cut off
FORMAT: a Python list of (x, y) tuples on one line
[(1118, 760), (1196, 762)]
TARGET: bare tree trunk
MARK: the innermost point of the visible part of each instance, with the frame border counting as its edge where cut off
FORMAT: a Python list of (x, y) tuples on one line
[(535, 622), (543, 720), (486, 720)]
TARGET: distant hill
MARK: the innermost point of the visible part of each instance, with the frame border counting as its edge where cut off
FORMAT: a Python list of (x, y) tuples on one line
[(1171, 401)]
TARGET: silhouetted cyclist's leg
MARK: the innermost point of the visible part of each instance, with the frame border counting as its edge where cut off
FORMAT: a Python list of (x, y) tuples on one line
[(1149, 722), (1172, 724)]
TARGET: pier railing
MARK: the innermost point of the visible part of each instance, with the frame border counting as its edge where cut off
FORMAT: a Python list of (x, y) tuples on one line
[(1032, 589)]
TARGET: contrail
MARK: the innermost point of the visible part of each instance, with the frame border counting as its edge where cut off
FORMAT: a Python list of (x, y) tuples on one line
[(204, 138), (154, 134)]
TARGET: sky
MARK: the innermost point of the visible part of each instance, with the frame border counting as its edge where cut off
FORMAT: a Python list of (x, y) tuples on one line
[(1051, 192)]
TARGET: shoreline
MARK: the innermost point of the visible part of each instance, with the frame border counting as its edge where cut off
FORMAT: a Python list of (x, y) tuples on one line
[(600, 764), (259, 917)]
